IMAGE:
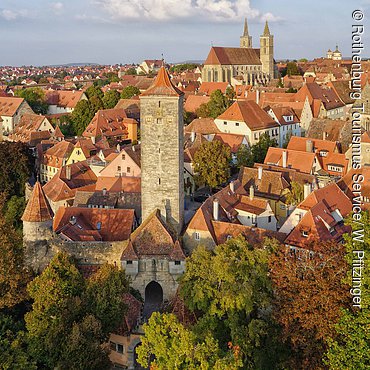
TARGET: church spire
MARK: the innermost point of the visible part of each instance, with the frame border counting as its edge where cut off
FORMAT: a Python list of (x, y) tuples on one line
[(245, 33), (245, 39), (266, 31)]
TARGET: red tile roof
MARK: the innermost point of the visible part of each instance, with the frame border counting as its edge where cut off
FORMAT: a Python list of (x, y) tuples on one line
[(250, 113), (163, 85), (233, 56), (9, 106), (94, 224), (38, 208)]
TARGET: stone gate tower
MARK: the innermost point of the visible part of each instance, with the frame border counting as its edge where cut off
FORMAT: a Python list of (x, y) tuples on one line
[(162, 157), (245, 40), (267, 51)]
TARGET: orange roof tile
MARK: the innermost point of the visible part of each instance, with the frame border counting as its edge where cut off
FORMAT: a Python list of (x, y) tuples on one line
[(250, 113), (38, 208), (163, 85)]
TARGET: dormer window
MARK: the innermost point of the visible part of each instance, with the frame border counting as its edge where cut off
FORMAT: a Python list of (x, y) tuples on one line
[(305, 234)]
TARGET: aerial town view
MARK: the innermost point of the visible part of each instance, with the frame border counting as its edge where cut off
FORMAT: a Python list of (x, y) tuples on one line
[(184, 185)]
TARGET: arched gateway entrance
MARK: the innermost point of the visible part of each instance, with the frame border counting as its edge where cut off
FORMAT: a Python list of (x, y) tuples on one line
[(153, 299)]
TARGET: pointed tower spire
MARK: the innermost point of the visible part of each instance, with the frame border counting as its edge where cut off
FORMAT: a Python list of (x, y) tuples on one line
[(246, 33), (266, 31), (245, 39), (38, 208)]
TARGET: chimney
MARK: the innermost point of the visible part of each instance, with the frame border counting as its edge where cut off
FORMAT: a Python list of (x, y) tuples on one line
[(257, 96), (192, 136), (251, 192), (68, 172), (104, 191), (232, 187), (309, 146), (285, 157), (260, 169), (215, 209), (93, 139), (133, 148), (306, 190), (324, 135), (72, 220), (118, 148)]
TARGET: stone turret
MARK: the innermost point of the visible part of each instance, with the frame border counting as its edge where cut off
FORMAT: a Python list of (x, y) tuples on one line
[(267, 51), (245, 40), (37, 217), (162, 156)]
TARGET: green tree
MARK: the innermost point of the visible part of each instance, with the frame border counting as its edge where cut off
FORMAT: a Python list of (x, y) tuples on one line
[(131, 71), (291, 90), (349, 348), (244, 156), (13, 211), (104, 295), (82, 348), (231, 290), (175, 347), (129, 91), (13, 348), (56, 305), (94, 91), (212, 163), (16, 164), (203, 111), (96, 104), (218, 103), (260, 149), (13, 275), (183, 67), (81, 116), (35, 97), (230, 95), (292, 69), (296, 194), (110, 99)]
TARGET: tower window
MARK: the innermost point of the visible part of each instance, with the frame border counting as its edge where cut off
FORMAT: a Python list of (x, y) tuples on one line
[(159, 181), (159, 104), (159, 120)]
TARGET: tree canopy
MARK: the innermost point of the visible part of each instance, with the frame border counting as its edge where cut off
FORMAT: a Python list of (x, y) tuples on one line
[(309, 293), (217, 104), (129, 91), (174, 347), (110, 99), (259, 150), (35, 97), (70, 318), (212, 163)]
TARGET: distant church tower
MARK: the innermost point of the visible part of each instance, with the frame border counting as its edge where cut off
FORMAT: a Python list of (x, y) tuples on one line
[(245, 40), (162, 156), (267, 51)]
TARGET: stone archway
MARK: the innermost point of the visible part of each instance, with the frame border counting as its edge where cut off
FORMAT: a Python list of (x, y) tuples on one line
[(153, 299)]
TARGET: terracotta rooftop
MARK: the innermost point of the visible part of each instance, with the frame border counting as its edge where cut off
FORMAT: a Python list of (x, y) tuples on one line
[(202, 126), (299, 143), (153, 238), (94, 224), (193, 102), (250, 113), (38, 208), (233, 56), (163, 85), (9, 106)]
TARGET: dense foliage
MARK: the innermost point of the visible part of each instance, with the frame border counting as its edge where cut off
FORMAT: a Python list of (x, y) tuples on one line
[(35, 97), (129, 92), (217, 104), (212, 163)]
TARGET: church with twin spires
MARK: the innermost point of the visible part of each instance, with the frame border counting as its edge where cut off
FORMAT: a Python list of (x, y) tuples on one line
[(244, 65)]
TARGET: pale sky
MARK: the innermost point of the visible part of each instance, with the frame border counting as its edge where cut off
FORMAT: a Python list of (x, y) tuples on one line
[(42, 32)]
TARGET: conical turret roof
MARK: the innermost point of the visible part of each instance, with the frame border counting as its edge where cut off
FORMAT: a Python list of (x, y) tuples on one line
[(246, 33), (38, 208), (163, 85), (266, 31)]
